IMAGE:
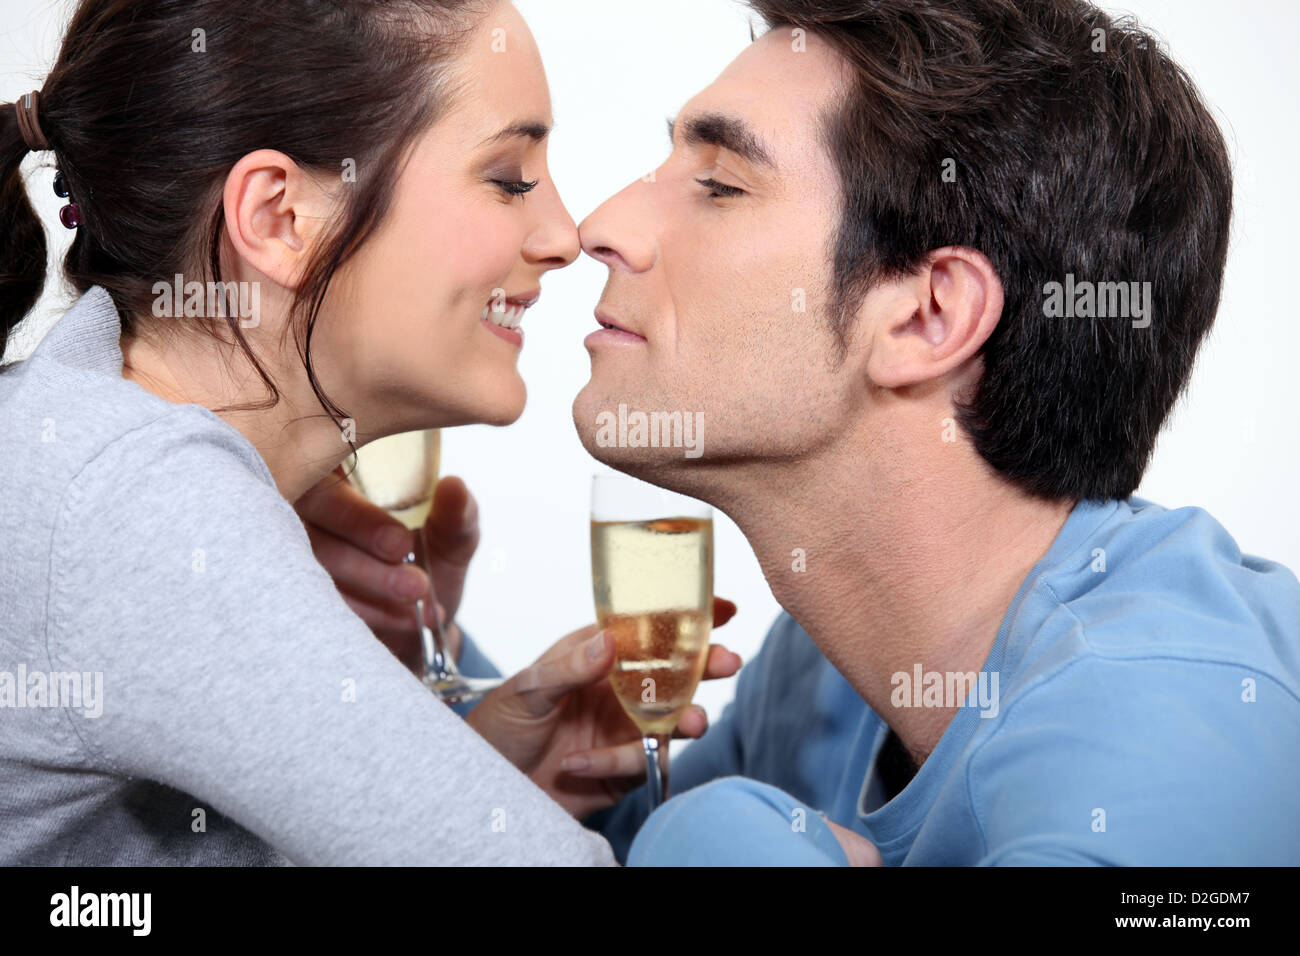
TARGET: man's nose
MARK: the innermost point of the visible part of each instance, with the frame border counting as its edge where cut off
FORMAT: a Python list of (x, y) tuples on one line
[(623, 232)]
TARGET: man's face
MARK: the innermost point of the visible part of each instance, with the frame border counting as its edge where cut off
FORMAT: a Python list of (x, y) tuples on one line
[(719, 269)]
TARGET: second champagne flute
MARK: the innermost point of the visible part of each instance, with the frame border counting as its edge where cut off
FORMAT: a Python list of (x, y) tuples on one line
[(399, 474), (652, 574)]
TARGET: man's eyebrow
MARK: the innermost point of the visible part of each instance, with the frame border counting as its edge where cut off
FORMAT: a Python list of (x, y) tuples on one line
[(729, 132), (532, 129)]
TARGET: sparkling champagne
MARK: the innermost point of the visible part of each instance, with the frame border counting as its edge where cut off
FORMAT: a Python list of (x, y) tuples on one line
[(399, 473), (654, 593)]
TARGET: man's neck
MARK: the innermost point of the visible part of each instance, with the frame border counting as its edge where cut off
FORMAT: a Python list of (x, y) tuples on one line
[(893, 557)]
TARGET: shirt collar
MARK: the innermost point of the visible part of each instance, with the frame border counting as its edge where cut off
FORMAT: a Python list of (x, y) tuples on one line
[(87, 336), (897, 819)]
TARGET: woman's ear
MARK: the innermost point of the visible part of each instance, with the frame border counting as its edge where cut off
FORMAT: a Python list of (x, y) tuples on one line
[(274, 212), (928, 324)]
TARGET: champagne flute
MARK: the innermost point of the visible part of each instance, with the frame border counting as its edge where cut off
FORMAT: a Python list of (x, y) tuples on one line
[(652, 574), (399, 474)]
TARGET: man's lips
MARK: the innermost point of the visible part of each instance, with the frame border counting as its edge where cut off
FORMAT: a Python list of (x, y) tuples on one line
[(613, 332)]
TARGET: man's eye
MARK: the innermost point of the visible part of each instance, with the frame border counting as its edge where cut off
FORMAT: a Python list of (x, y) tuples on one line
[(719, 190), (513, 187)]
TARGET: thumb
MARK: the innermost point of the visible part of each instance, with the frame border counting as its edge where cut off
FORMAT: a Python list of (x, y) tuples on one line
[(572, 665), (452, 529)]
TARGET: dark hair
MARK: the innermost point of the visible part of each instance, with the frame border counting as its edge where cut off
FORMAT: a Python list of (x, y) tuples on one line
[(145, 127), (1080, 149)]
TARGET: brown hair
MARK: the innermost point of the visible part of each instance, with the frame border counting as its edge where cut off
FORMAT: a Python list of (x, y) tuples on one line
[(151, 102), (1076, 146)]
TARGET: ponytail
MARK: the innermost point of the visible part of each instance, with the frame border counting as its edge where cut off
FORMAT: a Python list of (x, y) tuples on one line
[(22, 237)]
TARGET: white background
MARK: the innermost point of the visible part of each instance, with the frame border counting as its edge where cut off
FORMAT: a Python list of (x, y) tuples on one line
[(617, 69)]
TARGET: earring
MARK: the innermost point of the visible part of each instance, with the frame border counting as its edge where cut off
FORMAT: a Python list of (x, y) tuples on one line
[(69, 215)]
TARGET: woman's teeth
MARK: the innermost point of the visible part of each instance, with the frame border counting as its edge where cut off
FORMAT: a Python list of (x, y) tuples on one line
[(507, 319)]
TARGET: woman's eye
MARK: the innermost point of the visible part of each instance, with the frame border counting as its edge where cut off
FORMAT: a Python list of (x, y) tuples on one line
[(719, 190), (513, 187)]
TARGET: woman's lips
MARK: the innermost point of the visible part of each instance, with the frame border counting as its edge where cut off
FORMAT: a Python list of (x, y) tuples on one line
[(514, 336), (502, 317)]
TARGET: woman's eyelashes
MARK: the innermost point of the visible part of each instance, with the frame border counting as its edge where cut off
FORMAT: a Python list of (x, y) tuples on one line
[(515, 187), (719, 190)]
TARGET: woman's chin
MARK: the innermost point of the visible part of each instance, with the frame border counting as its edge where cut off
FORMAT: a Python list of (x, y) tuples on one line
[(505, 409)]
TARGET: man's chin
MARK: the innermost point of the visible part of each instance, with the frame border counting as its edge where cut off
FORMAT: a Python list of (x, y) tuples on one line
[(587, 409), (620, 459), (658, 466)]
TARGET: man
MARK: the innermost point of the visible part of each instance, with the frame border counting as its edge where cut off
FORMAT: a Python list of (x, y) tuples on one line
[(933, 275), (851, 268)]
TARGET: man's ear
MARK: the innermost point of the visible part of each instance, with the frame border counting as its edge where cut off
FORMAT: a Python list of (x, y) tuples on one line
[(928, 324), (273, 213)]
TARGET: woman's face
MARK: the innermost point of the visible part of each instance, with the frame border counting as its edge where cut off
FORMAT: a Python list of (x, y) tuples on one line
[(416, 332)]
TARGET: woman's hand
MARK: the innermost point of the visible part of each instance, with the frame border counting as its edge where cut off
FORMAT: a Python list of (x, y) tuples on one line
[(363, 547), (563, 707)]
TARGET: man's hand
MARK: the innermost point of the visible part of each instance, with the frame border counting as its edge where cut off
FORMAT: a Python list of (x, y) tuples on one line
[(859, 850), (563, 707), (363, 547)]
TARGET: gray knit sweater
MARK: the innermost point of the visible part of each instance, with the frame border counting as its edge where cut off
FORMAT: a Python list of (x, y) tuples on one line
[(180, 681)]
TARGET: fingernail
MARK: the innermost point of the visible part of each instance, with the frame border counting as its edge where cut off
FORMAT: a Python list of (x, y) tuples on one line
[(407, 582), (572, 764), (596, 647), (393, 540)]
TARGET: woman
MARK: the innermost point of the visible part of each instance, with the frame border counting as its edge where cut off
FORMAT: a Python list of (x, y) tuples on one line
[(357, 173)]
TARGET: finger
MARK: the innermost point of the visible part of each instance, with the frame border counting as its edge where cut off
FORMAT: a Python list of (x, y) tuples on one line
[(387, 615), (572, 664), (335, 505), (451, 537), (723, 611), (364, 574), (721, 663), (453, 532), (694, 722), (395, 632), (375, 616), (394, 626), (571, 640), (626, 761)]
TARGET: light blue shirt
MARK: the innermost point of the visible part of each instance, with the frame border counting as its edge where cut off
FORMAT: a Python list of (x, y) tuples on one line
[(1147, 713)]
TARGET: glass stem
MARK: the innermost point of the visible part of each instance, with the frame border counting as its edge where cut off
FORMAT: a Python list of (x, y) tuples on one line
[(438, 665), (656, 761)]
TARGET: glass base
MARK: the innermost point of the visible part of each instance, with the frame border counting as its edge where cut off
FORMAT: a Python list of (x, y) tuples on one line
[(456, 689)]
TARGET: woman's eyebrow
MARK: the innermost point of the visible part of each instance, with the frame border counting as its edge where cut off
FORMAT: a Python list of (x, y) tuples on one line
[(535, 130)]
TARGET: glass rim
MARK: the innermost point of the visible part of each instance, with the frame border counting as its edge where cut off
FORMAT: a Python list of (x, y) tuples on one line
[(616, 496)]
